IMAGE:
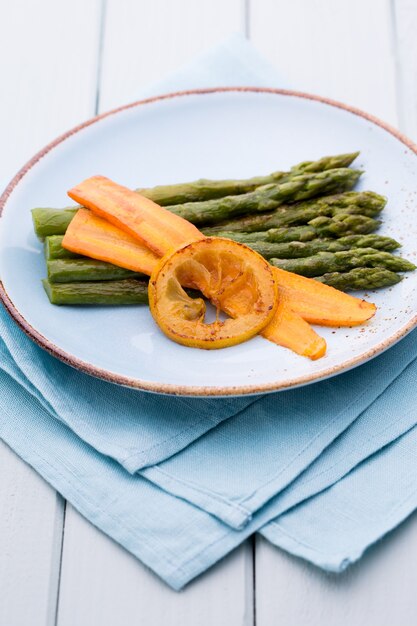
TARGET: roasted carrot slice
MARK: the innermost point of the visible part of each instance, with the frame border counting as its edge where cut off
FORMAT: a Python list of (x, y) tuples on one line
[(301, 300), (288, 329), (320, 304), (156, 227), (94, 237)]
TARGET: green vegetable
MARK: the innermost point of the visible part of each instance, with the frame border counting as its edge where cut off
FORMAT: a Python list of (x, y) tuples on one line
[(349, 225), (377, 242), (55, 221), (204, 189), (364, 203), (115, 292), (334, 218), (75, 270), (341, 224), (325, 262), (267, 197), (360, 278), (337, 226), (295, 249), (243, 237), (52, 221), (283, 216), (54, 250)]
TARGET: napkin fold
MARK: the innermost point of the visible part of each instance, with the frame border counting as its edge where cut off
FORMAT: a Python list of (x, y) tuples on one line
[(135, 428), (233, 62), (258, 453), (323, 471), (333, 529), (179, 541)]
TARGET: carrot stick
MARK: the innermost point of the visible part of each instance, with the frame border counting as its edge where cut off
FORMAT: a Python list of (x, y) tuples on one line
[(156, 227), (94, 237)]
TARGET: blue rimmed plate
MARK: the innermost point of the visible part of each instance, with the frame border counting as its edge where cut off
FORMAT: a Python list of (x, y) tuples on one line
[(213, 134)]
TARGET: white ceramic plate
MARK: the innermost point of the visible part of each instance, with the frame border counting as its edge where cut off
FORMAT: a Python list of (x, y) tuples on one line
[(211, 134)]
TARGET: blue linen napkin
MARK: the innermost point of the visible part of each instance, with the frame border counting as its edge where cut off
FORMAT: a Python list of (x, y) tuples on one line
[(262, 450), (179, 541), (135, 428), (270, 440), (233, 62), (183, 543), (333, 529)]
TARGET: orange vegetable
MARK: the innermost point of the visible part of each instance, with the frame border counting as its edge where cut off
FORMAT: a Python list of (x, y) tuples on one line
[(233, 277), (288, 329), (320, 304), (94, 237), (301, 300), (153, 225)]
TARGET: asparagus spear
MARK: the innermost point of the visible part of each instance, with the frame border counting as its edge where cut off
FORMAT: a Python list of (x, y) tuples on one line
[(110, 292), (243, 237), (133, 291), (340, 224), (204, 189), (76, 270), (282, 217), (325, 262), (345, 224), (296, 249), (48, 222), (66, 270), (377, 242), (332, 218), (114, 292), (52, 221), (54, 250), (366, 203), (267, 197), (360, 278), (55, 221)]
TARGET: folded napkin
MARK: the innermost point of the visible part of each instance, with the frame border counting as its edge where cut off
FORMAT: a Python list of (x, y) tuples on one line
[(180, 482), (233, 62), (135, 428), (179, 541), (333, 529), (239, 466)]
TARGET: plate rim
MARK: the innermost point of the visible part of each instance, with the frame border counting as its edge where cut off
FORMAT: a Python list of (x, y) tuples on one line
[(195, 390)]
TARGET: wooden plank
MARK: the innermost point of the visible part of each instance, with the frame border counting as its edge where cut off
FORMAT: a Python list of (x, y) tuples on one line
[(405, 22), (103, 584), (49, 69), (340, 50), (31, 517), (146, 41), (380, 589), (351, 52)]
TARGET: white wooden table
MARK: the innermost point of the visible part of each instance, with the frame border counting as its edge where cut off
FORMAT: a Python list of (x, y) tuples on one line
[(62, 61)]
